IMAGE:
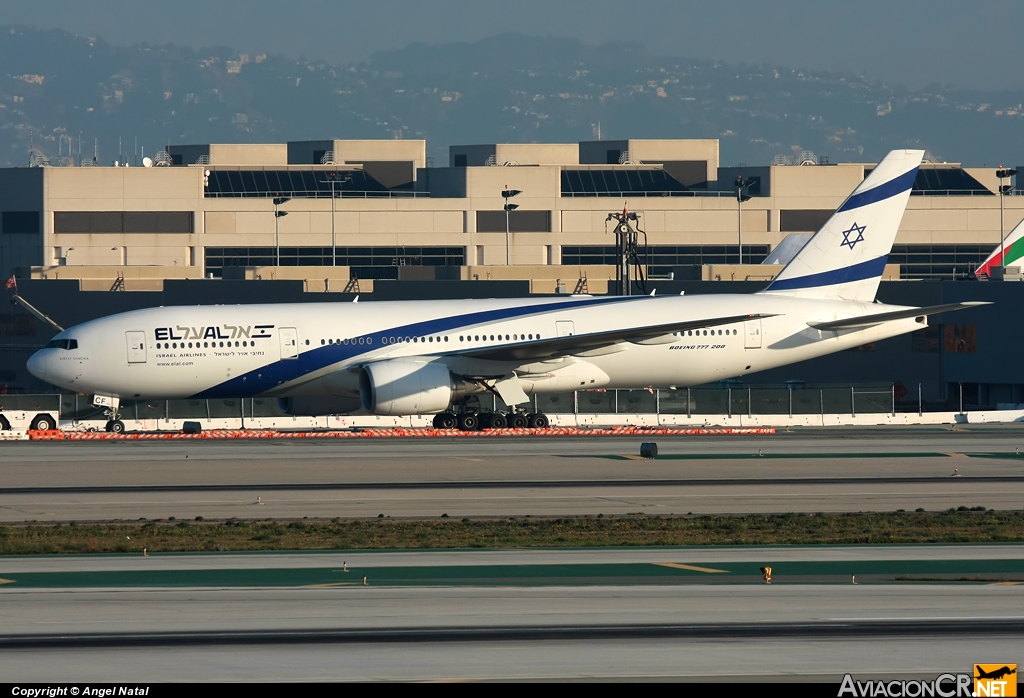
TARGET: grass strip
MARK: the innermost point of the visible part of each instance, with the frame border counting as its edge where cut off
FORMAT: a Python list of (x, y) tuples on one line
[(952, 526)]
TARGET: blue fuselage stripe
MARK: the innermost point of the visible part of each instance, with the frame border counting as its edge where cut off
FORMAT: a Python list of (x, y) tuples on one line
[(856, 272), (273, 375), (880, 193)]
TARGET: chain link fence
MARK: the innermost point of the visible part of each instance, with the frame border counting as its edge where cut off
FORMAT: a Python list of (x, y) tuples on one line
[(728, 400)]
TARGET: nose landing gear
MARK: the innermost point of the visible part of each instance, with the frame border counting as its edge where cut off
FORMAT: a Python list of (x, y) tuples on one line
[(111, 405)]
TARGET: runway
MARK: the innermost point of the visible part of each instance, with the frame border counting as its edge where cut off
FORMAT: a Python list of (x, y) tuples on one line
[(618, 630), (585, 614), (881, 469)]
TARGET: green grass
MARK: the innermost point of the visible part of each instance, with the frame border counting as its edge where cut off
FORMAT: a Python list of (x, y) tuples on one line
[(953, 526)]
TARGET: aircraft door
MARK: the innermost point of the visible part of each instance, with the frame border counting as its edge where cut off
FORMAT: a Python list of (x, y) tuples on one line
[(136, 347), (289, 343), (564, 328), (752, 334)]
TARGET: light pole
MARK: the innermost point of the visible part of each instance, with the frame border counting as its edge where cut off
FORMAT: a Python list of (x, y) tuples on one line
[(509, 208), (277, 227), (1004, 189), (332, 178), (740, 185)]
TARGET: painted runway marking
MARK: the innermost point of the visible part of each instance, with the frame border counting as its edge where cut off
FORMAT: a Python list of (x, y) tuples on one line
[(680, 566)]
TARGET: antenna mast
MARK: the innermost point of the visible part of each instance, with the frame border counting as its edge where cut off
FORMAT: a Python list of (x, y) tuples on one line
[(627, 248)]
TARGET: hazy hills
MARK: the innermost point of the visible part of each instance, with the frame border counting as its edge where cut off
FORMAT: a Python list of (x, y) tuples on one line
[(507, 88)]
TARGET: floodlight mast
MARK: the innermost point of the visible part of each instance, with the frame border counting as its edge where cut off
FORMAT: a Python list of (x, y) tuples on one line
[(1004, 189), (333, 178), (278, 213), (740, 184), (507, 194)]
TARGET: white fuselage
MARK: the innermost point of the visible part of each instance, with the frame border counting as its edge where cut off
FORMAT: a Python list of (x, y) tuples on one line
[(310, 349)]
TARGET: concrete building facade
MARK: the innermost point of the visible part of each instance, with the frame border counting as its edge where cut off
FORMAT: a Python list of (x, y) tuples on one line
[(376, 210)]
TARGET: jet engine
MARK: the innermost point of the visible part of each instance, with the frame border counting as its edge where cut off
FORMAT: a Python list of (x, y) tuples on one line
[(400, 387)]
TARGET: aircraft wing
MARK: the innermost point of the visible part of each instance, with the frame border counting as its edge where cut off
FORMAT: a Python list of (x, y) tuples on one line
[(554, 347), (879, 318)]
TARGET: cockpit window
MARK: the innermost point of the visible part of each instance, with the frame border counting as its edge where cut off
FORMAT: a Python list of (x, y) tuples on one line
[(62, 344)]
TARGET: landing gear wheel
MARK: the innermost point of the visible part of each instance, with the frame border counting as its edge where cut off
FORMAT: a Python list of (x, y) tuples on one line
[(468, 422), (517, 420), (115, 426), (497, 421), (538, 421), (445, 420), (4, 424), (484, 420), (42, 422)]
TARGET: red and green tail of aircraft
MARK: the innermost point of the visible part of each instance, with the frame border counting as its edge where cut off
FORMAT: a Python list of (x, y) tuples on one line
[(1010, 253)]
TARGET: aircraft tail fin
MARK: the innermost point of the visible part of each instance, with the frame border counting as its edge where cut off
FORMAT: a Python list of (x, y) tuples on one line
[(845, 259), (1005, 254)]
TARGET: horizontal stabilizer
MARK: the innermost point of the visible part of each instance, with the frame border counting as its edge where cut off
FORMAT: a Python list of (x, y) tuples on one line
[(579, 343), (879, 318)]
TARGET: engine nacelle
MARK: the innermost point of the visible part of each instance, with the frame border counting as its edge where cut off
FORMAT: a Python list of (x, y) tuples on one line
[(400, 387)]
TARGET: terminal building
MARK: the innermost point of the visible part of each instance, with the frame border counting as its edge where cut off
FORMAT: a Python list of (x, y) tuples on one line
[(335, 217)]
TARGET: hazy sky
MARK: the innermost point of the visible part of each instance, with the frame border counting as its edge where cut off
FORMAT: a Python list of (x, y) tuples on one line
[(913, 42)]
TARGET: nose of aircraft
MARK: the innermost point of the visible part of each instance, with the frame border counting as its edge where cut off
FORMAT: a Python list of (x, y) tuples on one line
[(37, 364)]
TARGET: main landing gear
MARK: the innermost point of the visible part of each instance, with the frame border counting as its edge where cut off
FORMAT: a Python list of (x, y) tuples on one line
[(471, 421)]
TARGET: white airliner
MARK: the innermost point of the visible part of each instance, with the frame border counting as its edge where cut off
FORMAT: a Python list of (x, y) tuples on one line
[(426, 357)]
